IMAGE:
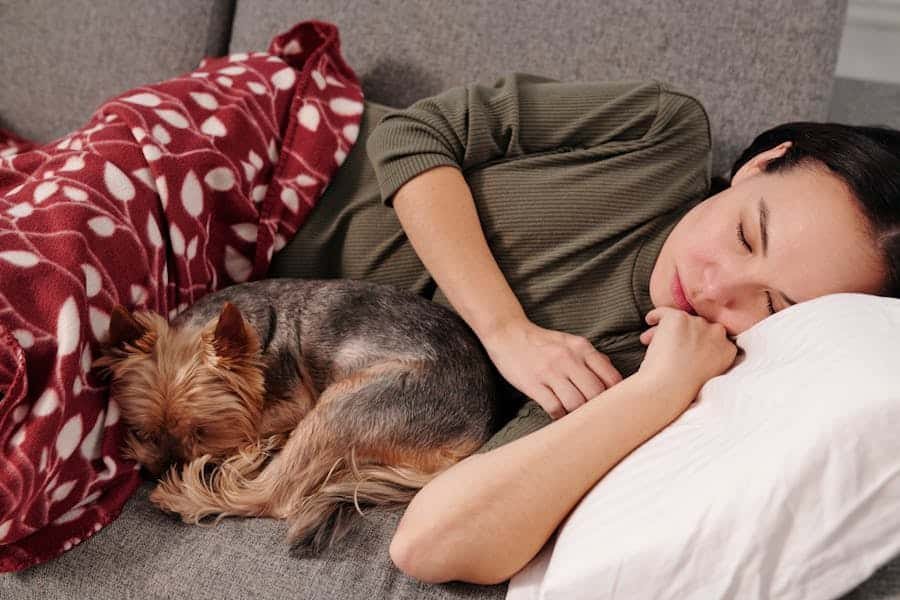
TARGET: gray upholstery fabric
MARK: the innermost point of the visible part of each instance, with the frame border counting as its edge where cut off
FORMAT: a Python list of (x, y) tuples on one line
[(148, 555), (884, 584), (753, 64), (60, 60), (865, 102)]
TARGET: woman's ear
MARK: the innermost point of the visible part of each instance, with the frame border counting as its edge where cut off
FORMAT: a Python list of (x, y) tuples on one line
[(755, 165)]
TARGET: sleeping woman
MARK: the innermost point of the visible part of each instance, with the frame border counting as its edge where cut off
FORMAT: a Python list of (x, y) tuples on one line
[(574, 227)]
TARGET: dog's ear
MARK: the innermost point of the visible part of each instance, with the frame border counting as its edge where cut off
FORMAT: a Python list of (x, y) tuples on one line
[(123, 328), (231, 337)]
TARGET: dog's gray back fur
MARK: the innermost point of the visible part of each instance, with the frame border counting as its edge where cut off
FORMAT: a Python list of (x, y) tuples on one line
[(331, 327)]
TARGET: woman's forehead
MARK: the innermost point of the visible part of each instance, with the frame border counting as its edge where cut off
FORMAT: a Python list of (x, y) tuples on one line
[(818, 233)]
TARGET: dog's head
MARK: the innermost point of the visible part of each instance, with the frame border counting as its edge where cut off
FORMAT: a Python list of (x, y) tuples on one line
[(184, 392)]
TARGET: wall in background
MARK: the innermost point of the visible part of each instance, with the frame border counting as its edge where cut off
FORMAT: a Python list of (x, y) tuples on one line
[(870, 46), (867, 82)]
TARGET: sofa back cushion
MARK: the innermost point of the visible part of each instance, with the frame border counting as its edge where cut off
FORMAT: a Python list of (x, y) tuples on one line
[(60, 60), (753, 65)]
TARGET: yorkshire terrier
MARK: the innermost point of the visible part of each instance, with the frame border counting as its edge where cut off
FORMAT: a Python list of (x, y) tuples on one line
[(299, 399)]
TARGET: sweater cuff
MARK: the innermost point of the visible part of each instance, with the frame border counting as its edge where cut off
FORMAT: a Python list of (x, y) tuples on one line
[(393, 175), (530, 418)]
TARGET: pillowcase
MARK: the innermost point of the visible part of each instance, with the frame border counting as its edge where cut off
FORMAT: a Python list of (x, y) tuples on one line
[(781, 481)]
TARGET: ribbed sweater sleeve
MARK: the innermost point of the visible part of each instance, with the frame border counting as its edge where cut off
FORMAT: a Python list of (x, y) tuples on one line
[(519, 114)]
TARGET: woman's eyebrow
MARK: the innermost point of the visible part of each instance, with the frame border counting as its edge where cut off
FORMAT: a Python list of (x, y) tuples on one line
[(763, 225), (764, 236)]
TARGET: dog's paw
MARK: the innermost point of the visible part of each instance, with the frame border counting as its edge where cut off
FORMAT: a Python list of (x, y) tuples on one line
[(186, 493)]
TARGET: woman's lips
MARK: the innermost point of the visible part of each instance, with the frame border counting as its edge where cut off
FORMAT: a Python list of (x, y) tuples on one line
[(680, 297)]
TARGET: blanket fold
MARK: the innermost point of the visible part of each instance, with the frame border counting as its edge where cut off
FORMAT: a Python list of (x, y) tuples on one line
[(169, 192)]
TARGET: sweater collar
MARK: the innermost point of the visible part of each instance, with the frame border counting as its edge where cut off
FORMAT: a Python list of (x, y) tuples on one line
[(658, 232)]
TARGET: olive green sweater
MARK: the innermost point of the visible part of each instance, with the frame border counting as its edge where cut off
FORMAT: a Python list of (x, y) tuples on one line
[(577, 185)]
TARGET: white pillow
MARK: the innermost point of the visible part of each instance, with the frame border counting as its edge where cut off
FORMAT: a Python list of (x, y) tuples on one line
[(781, 481)]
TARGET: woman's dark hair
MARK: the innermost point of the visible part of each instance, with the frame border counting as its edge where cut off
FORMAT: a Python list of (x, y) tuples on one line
[(866, 159)]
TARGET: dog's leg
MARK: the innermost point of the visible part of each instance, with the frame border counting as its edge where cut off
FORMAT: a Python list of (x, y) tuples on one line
[(204, 488)]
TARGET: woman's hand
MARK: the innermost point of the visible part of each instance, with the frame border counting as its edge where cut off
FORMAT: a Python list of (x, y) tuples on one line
[(685, 351), (558, 370)]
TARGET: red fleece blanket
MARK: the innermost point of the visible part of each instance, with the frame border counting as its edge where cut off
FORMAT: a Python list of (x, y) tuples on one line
[(171, 191)]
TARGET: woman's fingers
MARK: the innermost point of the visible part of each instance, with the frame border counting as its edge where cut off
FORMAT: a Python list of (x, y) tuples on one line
[(647, 336), (588, 384), (567, 393), (602, 366), (653, 317), (589, 379), (586, 380), (584, 375), (546, 397)]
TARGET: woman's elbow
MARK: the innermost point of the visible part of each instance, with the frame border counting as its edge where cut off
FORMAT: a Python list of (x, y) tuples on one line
[(417, 564), (426, 563)]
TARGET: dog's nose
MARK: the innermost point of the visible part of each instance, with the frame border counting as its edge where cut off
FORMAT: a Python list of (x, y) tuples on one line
[(172, 449)]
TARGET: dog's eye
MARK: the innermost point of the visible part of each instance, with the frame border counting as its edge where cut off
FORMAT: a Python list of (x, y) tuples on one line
[(145, 436)]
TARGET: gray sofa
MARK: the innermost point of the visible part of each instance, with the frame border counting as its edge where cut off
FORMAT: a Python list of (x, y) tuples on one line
[(753, 64)]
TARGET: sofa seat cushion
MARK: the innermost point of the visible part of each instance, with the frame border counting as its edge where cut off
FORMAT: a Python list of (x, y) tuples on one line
[(146, 553)]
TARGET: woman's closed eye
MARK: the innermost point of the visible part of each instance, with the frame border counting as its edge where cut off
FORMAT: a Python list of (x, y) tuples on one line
[(743, 240), (772, 310)]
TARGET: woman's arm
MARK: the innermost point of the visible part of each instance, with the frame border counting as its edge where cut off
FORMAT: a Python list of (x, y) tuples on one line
[(485, 517), (438, 214), (560, 371)]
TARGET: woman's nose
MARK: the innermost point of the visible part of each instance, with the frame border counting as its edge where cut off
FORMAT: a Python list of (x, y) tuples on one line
[(721, 288)]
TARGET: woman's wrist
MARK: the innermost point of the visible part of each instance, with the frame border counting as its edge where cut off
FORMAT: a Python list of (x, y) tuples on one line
[(494, 326), (669, 395)]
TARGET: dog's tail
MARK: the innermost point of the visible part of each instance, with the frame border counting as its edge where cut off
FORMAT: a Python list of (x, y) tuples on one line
[(342, 487), (316, 492)]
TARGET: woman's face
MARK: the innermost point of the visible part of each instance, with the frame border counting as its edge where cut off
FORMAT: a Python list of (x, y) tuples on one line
[(813, 243)]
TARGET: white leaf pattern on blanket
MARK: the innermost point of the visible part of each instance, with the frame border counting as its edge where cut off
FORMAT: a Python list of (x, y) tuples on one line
[(86, 223)]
